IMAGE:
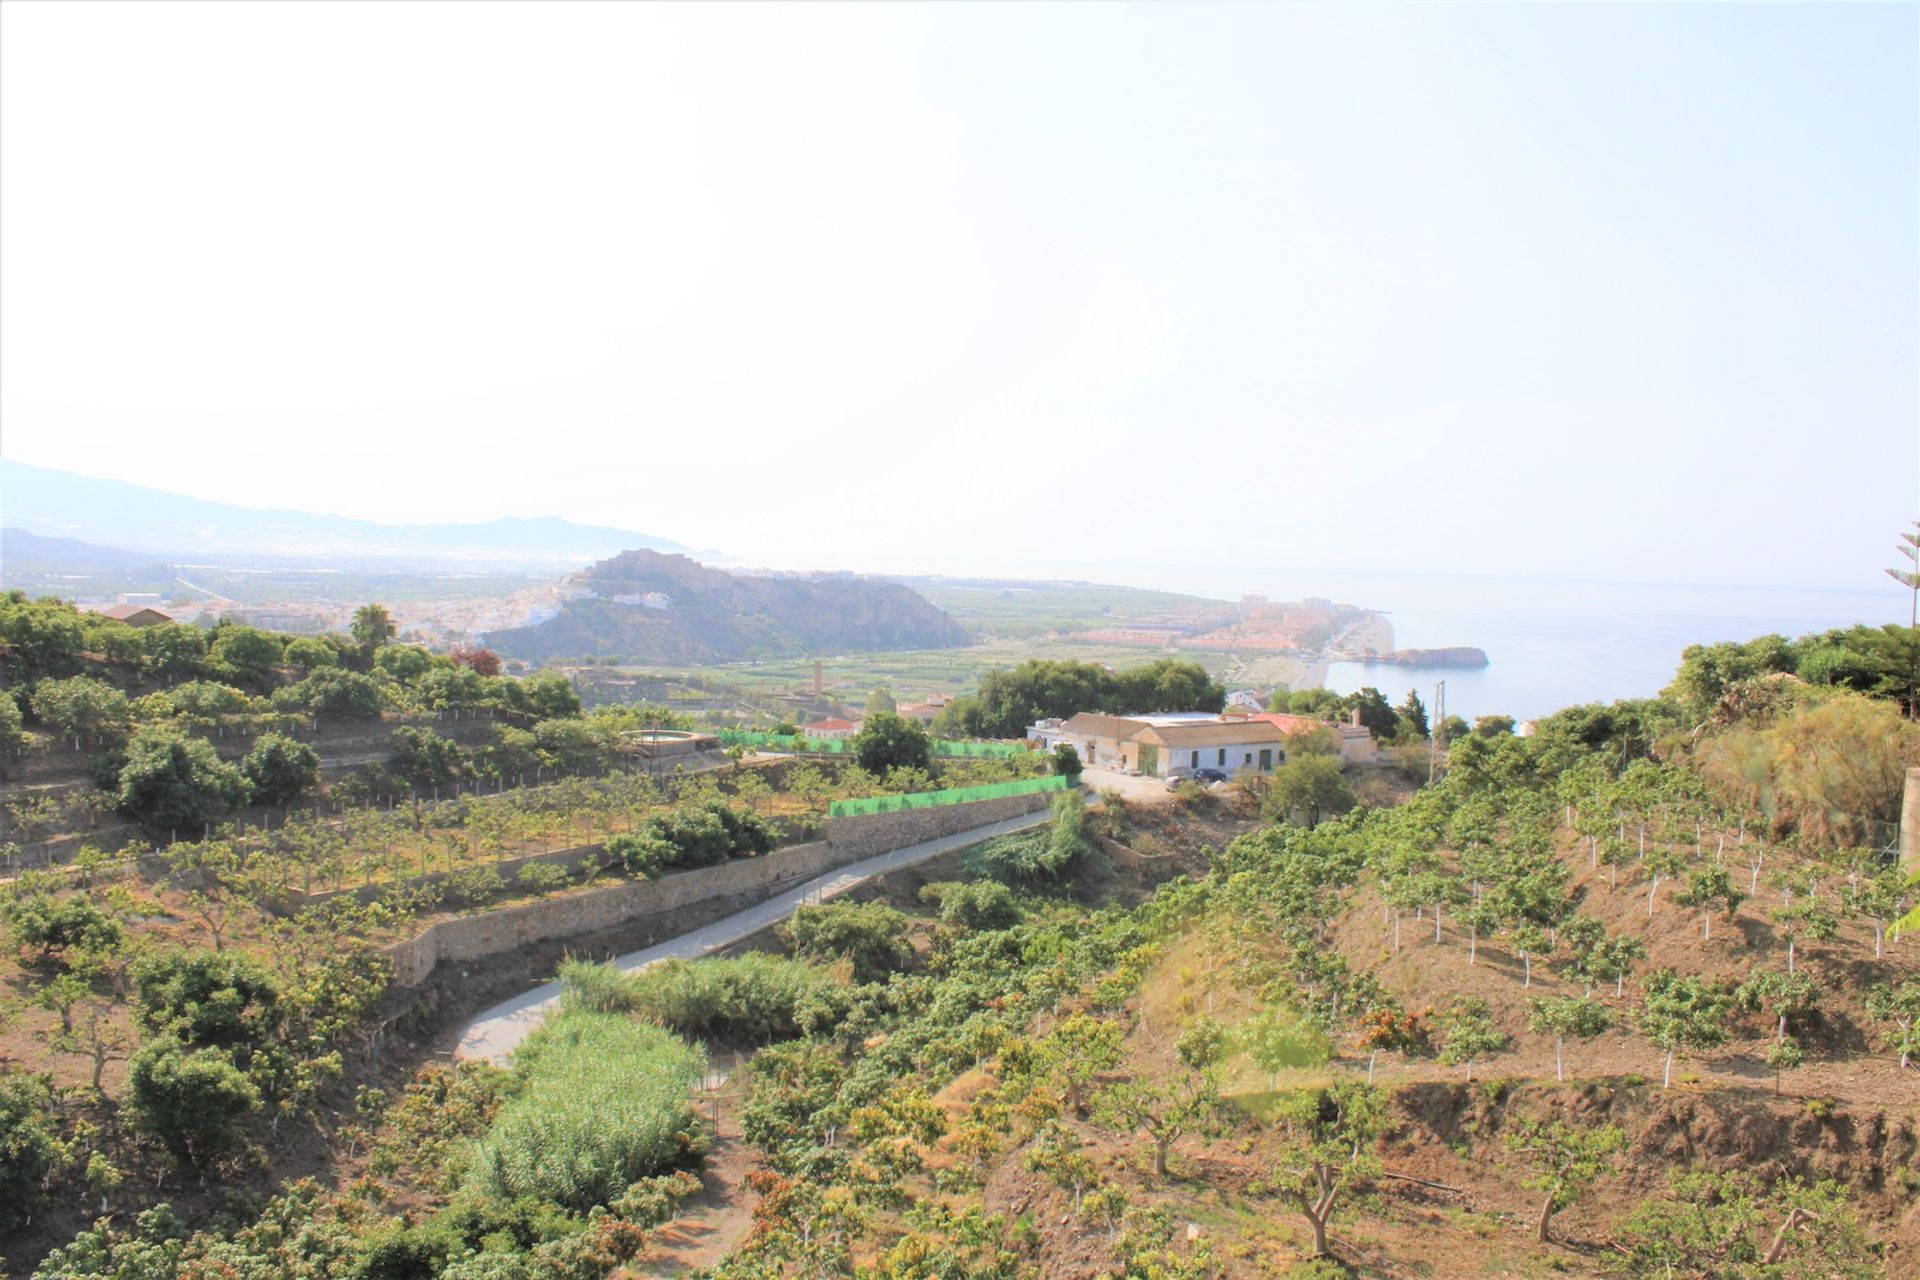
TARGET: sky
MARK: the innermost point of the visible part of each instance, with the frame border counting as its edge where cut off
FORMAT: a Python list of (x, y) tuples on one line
[(1164, 294)]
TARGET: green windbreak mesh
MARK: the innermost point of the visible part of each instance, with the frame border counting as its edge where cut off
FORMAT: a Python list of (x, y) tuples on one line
[(783, 742), (840, 746), (932, 799)]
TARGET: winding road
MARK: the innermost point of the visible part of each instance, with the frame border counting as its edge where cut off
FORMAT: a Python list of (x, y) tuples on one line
[(495, 1033)]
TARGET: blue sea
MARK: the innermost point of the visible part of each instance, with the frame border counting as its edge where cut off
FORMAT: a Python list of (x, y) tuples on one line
[(1552, 645)]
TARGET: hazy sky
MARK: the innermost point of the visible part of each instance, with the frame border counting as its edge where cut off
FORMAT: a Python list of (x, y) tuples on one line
[(1123, 291)]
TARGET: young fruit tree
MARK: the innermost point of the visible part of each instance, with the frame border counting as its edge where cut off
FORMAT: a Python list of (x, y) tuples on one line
[(1468, 1033), (1899, 1008), (1682, 1013), (1709, 888), (1780, 996), (1581, 1017), (1329, 1135), (1567, 1162), (1163, 1110)]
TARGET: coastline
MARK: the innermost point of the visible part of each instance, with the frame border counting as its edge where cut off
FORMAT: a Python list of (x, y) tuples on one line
[(1372, 632)]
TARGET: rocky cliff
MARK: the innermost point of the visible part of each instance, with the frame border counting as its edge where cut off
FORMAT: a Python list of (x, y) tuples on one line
[(649, 607), (1458, 656)]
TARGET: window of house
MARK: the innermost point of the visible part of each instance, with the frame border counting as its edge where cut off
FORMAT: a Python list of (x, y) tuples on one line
[(1223, 757)]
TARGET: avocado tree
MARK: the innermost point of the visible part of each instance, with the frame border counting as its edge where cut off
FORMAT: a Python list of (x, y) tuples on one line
[(1780, 995), (1468, 1033), (1709, 888), (1613, 958), (1899, 1008), (886, 741), (1581, 1017), (1804, 919), (1682, 1013), (80, 708)]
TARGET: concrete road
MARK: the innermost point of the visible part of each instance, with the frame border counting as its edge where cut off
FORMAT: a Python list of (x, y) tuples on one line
[(494, 1034)]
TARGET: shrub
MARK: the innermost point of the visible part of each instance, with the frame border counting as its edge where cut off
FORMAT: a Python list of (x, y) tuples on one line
[(29, 1147), (1035, 857), (750, 999), (472, 886), (281, 768), (973, 904), (541, 877), (869, 935), (604, 1103), (192, 1102), (645, 853), (692, 836)]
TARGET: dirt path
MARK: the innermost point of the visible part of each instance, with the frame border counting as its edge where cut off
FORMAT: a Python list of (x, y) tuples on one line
[(713, 1222)]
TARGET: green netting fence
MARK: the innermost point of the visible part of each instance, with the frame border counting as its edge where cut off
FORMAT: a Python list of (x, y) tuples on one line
[(843, 746), (954, 795)]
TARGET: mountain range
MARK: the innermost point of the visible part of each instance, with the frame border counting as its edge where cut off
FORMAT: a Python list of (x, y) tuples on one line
[(156, 524)]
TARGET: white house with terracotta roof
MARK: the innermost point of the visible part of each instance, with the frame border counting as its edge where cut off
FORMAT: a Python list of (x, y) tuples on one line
[(1355, 740), (831, 727), (1175, 743)]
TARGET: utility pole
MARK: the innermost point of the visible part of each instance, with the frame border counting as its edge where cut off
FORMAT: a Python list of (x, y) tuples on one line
[(1437, 739)]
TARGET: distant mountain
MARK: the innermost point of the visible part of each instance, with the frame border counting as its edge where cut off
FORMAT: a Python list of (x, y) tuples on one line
[(52, 503), (645, 606), (24, 551)]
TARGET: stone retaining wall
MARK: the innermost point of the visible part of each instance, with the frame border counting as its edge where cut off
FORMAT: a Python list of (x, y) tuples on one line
[(487, 933), (876, 833)]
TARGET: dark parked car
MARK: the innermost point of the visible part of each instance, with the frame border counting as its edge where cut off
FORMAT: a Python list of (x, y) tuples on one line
[(1204, 777)]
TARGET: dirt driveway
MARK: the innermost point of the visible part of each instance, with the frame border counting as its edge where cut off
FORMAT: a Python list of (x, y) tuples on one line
[(1137, 789)]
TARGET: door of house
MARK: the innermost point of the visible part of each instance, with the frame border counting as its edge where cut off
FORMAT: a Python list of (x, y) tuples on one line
[(1266, 759), (1149, 758)]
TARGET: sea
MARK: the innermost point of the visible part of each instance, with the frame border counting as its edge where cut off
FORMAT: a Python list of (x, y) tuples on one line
[(1555, 644)]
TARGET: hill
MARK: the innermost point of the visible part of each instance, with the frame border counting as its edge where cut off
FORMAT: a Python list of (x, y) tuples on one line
[(54, 503), (649, 607), (22, 550)]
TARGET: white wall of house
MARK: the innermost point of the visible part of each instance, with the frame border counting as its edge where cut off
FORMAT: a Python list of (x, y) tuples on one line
[(1230, 758)]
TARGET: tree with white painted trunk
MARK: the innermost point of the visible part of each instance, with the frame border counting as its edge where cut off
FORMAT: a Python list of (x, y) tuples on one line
[(1683, 1014), (1564, 1017)]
